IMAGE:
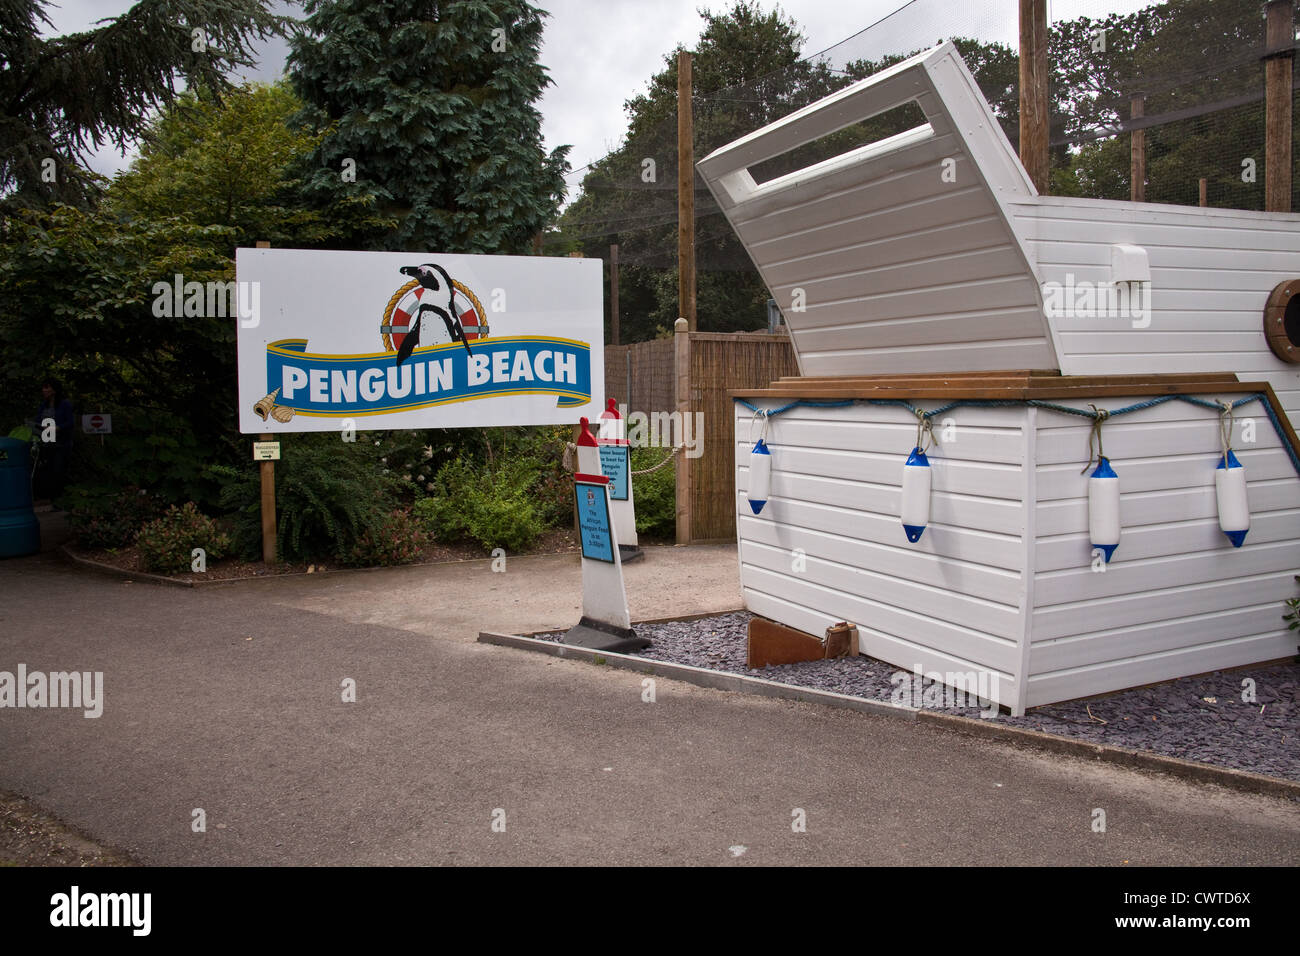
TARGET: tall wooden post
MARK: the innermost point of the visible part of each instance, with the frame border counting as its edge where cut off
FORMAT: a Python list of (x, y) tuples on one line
[(1033, 92), (685, 192), (1137, 190), (682, 392), (613, 293), (267, 469), (1279, 55), (1205, 191)]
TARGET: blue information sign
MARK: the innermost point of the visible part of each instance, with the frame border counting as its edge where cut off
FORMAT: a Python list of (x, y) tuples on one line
[(614, 466), (593, 521)]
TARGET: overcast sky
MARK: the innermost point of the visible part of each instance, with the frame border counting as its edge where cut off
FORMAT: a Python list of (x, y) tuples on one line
[(602, 52)]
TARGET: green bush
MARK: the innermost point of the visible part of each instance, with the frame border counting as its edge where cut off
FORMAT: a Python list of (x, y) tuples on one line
[(655, 494), (167, 543), (111, 520), (493, 506), (328, 495), (399, 539)]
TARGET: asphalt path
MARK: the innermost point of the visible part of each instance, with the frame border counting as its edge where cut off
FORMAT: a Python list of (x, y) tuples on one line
[(229, 699)]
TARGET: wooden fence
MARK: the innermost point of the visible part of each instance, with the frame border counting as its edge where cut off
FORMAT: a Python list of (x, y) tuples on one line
[(689, 374)]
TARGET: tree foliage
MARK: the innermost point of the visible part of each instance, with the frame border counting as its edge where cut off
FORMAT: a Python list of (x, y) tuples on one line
[(62, 95), (432, 106), (78, 286)]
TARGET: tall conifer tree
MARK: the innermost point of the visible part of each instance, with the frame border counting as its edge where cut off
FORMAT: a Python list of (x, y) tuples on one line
[(433, 110)]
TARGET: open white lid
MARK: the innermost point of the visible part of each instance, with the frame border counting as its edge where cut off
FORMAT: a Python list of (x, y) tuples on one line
[(899, 255)]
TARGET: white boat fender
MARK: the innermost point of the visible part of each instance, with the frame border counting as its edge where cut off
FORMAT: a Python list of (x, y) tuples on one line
[(1103, 508), (1230, 489), (760, 476), (915, 509)]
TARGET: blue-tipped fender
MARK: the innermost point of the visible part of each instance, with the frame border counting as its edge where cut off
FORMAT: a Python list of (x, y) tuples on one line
[(760, 476), (1103, 509), (1230, 490), (915, 507)]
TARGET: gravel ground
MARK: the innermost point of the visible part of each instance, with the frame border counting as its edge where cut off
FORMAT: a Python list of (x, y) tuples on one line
[(1193, 718), (30, 836)]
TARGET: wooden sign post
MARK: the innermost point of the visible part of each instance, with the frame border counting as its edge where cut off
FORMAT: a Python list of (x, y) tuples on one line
[(267, 469)]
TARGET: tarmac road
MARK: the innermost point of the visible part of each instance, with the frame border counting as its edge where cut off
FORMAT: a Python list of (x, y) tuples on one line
[(229, 699)]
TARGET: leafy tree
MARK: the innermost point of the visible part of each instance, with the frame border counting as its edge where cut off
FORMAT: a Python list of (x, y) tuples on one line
[(62, 95), (227, 162), (432, 103), (77, 287)]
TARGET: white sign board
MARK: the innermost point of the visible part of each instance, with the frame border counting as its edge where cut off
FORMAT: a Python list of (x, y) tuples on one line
[(266, 451), (376, 340), (97, 424)]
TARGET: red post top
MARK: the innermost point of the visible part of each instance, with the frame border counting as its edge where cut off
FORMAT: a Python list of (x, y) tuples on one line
[(611, 409), (585, 437)]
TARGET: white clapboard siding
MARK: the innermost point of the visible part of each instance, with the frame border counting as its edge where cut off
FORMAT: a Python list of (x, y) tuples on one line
[(898, 256), (953, 601), (1176, 598), (1134, 671), (1083, 650), (1212, 271)]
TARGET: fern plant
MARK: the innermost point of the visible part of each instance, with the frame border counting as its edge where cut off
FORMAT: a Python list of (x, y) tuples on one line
[(329, 495)]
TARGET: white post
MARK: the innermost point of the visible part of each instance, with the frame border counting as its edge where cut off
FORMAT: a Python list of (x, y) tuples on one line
[(616, 465), (606, 623)]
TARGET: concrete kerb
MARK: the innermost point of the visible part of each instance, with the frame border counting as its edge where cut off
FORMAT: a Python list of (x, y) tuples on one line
[(700, 676), (101, 568), (1239, 780), (197, 581)]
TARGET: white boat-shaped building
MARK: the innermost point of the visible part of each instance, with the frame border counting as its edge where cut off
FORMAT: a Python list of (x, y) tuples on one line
[(925, 272)]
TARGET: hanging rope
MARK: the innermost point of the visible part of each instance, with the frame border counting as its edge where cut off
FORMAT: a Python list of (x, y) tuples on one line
[(765, 417), (1099, 416), (1292, 453), (925, 429), (667, 458), (1225, 430)]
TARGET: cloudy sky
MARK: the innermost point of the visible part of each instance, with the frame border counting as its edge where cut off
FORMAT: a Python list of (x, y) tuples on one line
[(602, 52)]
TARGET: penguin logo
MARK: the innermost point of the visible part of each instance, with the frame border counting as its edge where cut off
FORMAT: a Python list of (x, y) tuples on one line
[(431, 309)]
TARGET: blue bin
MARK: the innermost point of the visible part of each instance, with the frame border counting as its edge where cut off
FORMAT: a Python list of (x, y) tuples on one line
[(20, 531)]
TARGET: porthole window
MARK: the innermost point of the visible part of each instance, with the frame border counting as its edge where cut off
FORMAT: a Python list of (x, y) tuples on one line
[(1282, 321)]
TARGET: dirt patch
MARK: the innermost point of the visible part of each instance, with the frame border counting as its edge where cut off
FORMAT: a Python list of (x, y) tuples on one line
[(29, 836)]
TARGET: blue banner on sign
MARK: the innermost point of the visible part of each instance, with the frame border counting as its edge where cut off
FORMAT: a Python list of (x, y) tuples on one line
[(614, 466), (351, 385), (593, 521)]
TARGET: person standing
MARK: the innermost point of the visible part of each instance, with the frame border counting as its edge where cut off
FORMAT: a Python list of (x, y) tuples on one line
[(52, 467)]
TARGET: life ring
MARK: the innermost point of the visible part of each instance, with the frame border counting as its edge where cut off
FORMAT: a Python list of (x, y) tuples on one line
[(400, 308), (1282, 321)]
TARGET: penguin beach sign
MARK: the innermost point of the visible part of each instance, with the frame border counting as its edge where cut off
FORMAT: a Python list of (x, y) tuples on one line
[(379, 340)]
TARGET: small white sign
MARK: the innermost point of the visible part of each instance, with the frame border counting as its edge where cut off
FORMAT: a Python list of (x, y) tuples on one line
[(97, 424), (266, 451)]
